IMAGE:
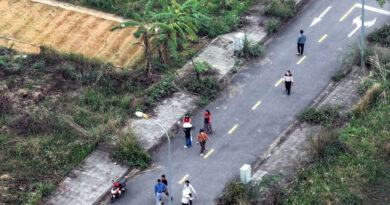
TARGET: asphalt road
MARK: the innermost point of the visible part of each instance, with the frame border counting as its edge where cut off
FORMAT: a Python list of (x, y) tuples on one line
[(257, 129)]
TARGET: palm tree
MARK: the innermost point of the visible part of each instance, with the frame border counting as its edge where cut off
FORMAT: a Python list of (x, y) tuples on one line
[(145, 32), (178, 23)]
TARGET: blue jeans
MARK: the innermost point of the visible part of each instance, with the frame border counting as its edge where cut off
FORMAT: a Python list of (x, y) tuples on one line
[(159, 197), (188, 142)]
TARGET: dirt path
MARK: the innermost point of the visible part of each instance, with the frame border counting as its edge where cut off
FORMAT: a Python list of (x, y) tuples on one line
[(29, 24)]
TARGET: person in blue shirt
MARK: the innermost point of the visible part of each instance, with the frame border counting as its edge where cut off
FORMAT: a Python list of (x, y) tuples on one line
[(301, 43), (159, 190)]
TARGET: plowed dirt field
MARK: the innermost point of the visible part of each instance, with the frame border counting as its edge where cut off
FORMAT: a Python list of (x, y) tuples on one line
[(28, 24)]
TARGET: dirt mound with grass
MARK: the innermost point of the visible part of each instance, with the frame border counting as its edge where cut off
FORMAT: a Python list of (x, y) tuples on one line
[(26, 25)]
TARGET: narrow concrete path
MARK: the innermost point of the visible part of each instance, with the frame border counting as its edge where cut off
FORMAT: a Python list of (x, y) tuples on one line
[(255, 129)]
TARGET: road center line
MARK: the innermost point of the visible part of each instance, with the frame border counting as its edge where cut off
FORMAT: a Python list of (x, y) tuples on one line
[(233, 128), (207, 155), (255, 106), (184, 178), (348, 12), (323, 37), (276, 84), (302, 59)]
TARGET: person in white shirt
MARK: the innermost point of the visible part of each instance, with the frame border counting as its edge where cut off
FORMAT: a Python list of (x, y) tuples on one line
[(288, 81), (191, 189), (186, 198)]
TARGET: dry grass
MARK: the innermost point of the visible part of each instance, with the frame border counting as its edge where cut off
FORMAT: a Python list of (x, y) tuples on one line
[(368, 98), (65, 30)]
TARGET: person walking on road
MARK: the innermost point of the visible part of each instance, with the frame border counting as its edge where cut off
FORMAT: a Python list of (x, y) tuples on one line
[(202, 137), (187, 126), (207, 122), (301, 43), (159, 190), (191, 190), (186, 198), (288, 81), (165, 181), (187, 119), (187, 131)]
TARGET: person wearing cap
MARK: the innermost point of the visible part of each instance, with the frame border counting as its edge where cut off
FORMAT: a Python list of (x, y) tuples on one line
[(159, 190)]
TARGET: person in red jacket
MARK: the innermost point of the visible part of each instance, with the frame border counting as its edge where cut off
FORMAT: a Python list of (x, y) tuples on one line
[(207, 122)]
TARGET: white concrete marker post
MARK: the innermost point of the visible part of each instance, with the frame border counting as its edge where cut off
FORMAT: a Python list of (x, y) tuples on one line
[(238, 42), (245, 173)]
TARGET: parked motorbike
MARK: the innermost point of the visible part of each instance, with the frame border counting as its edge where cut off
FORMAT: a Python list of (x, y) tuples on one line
[(118, 188)]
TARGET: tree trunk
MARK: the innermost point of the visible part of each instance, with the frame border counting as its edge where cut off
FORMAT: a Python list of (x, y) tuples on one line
[(147, 55)]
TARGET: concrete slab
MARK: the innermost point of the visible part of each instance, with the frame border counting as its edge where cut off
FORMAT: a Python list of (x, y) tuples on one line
[(88, 181), (168, 113)]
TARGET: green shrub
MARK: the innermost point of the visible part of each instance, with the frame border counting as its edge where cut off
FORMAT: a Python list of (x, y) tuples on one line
[(273, 25), (100, 4), (208, 88), (38, 65), (381, 36), (249, 193), (162, 90), (282, 9), (364, 86), (201, 67), (338, 76), (250, 49), (93, 99), (128, 150), (322, 116), (5, 105), (326, 144)]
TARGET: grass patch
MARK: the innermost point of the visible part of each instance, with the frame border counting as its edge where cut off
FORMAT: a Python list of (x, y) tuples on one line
[(250, 193), (344, 177), (273, 25), (207, 88), (56, 108), (128, 150), (381, 36), (327, 115), (282, 9)]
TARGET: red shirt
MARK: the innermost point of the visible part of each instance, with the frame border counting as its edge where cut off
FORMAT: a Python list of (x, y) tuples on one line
[(206, 115), (187, 121)]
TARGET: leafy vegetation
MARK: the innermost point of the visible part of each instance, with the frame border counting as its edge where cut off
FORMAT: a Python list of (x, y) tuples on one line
[(381, 36), (249, 193), (273, 25), (56, 108), (208, 88), (250, 49), (327, 115), (282, 9)]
